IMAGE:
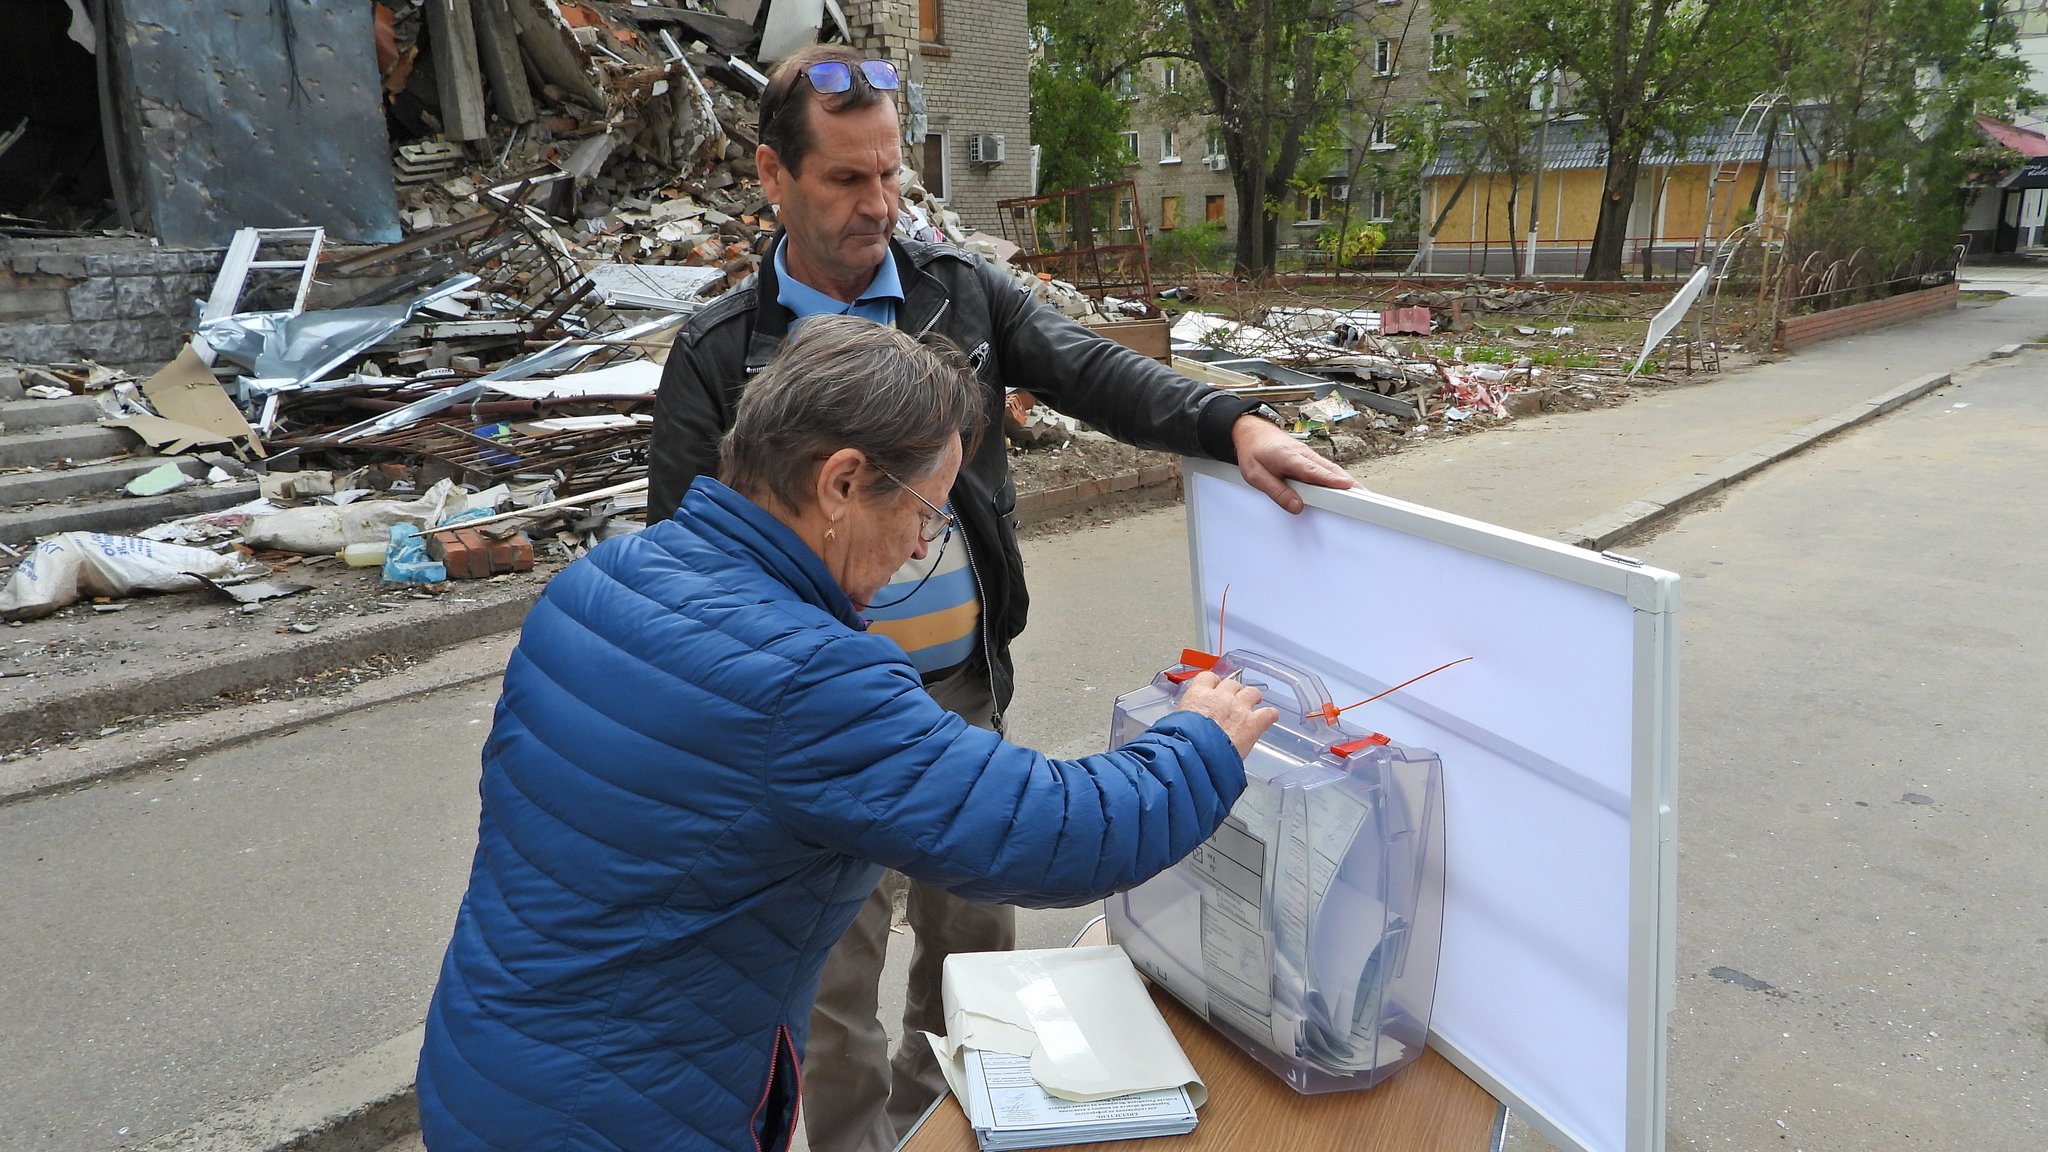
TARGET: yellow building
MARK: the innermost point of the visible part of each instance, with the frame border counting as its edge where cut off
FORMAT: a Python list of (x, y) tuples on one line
[(1669, 227)]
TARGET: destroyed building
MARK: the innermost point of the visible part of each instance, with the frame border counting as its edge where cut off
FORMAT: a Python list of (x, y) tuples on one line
[(138, 136)]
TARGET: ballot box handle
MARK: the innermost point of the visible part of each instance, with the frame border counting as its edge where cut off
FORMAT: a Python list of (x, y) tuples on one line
[(1311, 698)]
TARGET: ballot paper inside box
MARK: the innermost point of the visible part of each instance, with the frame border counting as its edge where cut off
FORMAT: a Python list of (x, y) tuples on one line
[(1307, 928)]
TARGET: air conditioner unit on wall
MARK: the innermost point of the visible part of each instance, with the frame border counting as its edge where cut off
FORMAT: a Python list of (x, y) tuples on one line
[(1340, 191), (985, 148), (1215, 163)]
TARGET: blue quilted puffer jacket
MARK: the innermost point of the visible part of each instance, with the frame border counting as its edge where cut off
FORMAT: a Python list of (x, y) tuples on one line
[(699, 767)]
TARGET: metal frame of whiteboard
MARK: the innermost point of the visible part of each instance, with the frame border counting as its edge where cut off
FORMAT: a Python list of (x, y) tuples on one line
[(1652, 596)]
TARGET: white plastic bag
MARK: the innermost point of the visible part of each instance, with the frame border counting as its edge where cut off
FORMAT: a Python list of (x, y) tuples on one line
[(70, 565), (321, 529)]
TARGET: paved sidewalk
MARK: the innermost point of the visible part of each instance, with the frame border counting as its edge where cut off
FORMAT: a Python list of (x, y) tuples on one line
[(1593, 464), (176, 935)]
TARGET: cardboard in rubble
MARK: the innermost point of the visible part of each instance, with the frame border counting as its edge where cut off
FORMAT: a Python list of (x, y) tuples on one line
[(169, 436), (185, 392)]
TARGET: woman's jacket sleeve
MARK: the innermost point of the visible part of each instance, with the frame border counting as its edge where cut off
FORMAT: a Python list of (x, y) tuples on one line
[(867, 764)]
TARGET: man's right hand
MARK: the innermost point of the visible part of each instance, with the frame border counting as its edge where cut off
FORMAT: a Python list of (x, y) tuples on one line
[(1233, 706)]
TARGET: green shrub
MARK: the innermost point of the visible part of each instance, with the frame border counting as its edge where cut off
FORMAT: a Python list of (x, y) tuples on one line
[(1191, 248), (1350, 245)]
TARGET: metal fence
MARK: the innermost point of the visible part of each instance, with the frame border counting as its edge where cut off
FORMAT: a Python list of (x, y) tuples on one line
[(1819, 281), (1645, 258)]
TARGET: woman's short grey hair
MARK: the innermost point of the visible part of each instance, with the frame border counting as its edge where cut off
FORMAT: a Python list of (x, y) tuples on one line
[(843, 382)]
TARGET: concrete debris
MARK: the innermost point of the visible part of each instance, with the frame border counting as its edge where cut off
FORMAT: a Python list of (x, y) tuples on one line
[(164, 478), (1320, 367)]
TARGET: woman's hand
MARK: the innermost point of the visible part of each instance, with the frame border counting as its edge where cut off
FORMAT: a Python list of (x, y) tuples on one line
[(1233, 706)]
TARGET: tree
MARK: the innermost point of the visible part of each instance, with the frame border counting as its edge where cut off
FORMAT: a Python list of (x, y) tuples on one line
[(1274, 71), (1497, 91), (1643, 69), (1078, 116), (1888, 92)]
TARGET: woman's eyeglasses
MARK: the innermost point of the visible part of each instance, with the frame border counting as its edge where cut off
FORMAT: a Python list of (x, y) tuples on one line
[(935, 525), (830, 77)]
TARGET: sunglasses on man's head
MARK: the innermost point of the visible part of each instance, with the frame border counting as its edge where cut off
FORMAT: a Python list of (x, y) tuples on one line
[(831, 77)]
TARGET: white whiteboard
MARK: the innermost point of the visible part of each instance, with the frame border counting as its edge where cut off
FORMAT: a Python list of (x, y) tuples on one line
[(1559, 748)]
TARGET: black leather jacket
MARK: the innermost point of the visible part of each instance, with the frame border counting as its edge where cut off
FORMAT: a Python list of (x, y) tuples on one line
[(1011, 340)]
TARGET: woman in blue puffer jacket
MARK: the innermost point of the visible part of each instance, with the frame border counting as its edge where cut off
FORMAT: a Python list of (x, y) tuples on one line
[(701, 763)]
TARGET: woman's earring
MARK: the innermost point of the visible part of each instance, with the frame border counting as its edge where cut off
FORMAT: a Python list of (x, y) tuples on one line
[(829, 533)]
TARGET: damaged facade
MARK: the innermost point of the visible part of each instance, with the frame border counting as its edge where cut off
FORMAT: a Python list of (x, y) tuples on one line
[(138, 136), (548, 193)]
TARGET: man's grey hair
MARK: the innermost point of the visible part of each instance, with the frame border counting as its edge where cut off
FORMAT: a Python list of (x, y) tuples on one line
[(843, 382)]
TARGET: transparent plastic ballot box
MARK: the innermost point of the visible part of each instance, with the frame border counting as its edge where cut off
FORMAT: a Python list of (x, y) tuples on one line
[(1307, 928)]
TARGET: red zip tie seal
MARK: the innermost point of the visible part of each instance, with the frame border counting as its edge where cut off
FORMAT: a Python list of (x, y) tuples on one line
[(1352, 748)]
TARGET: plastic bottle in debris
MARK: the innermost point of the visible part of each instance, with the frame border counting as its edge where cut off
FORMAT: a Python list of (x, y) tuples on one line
[(406, 560), (363, 555)]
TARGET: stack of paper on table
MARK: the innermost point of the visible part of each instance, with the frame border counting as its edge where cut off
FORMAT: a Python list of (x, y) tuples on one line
[(1061, 1046)]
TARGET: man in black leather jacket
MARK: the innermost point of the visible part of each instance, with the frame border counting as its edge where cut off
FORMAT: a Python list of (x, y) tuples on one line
[(829, 160)]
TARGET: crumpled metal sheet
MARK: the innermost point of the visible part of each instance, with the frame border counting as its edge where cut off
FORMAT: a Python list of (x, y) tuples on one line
[(257, 114), (305, 346), (561, 355)]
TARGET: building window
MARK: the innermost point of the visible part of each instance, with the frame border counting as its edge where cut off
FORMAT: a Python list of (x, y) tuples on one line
[(1380, 205), (1169, 148), (1382, 136), (1308, 209), (1214, 147), (1212, 208), (1169, 213), (931, 24), (935, 165), (1126, 215), (1126, 86), (1169, 77), (1443, 49), (1130, 147), (1383, 57)]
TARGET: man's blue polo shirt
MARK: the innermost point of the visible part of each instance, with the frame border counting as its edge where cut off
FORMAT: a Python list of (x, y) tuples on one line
[(878, 302)]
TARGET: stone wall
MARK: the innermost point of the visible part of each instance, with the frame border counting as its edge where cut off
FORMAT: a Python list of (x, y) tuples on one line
[(119, 303)]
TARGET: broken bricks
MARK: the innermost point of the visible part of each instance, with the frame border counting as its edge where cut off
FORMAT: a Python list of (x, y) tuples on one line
[(469, 554)]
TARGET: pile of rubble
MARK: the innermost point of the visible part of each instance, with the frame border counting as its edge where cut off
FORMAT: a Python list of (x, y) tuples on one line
[(478, 397), (1342, 377)]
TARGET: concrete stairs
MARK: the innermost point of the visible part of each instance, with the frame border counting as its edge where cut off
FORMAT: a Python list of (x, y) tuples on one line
[(61, 472)]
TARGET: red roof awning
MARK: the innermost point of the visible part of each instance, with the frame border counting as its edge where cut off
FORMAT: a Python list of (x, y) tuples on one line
[(2021, 140)]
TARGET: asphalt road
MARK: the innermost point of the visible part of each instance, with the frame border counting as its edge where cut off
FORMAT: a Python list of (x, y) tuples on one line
[(1860, 813), (1861, 916)]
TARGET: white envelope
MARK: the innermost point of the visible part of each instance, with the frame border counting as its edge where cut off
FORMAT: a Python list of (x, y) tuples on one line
[(1081, 1015)]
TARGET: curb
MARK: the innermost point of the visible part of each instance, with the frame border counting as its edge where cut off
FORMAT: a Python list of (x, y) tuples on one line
[(150, 690), (162, 746), (359, 1105), (1038, 507), (1604, 532), (446, 633)]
